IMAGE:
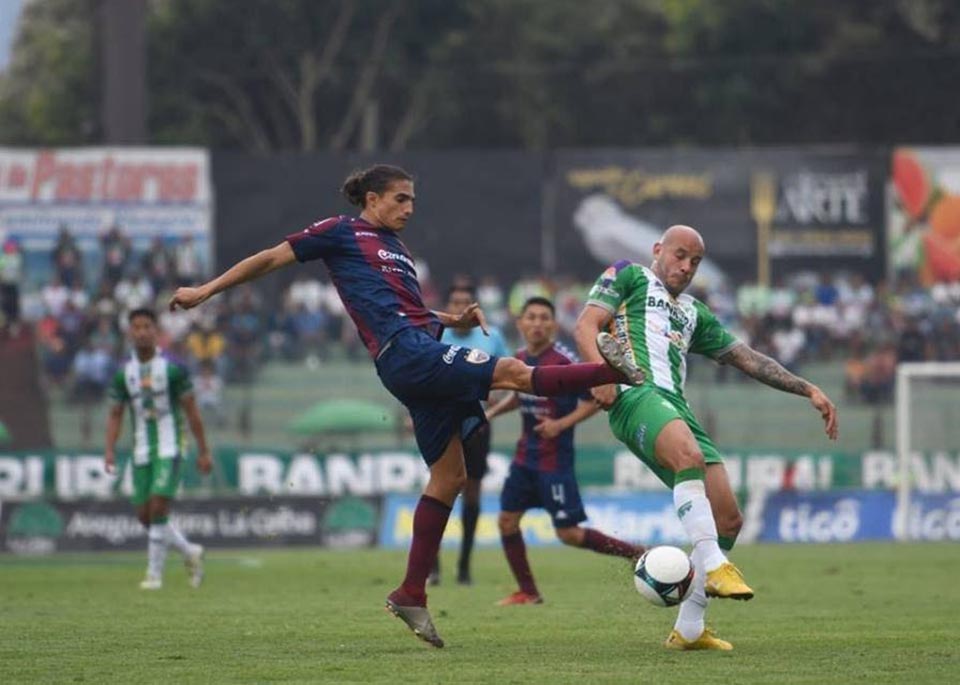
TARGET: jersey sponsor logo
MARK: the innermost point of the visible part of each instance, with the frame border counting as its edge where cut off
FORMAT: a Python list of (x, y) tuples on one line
[(395, 256), (641, 436), (677, 340), (684, 509), (451, 354), (676, 313), (477, 357), (365, 234), (603, 289)]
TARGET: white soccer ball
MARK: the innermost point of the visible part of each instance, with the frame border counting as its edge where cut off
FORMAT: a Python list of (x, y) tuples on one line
[(664, 576)]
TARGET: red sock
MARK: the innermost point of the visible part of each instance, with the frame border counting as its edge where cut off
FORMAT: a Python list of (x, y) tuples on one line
[(429, 521), (570, 379), (604, 544), (516, 552)]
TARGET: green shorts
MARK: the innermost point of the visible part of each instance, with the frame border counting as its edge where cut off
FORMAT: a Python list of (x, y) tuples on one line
[(639, 415), (159, 478)]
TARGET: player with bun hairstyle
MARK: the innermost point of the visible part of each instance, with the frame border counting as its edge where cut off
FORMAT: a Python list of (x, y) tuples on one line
[(441, 385)]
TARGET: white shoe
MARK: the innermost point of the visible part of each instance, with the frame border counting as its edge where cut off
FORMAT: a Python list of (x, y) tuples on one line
[(194, 564), (151, 583)]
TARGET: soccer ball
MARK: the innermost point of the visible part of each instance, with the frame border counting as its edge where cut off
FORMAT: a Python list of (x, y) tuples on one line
[(664, 576)]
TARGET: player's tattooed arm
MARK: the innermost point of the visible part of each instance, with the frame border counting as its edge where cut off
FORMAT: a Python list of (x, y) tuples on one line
[(765, 370), (768, 371)]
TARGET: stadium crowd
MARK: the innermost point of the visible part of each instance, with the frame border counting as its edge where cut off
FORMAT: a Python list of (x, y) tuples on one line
[(80, 318)]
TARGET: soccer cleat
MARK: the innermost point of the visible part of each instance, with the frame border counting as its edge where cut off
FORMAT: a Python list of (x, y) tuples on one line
[(418, 620), (150, 583), (520, 597), (727, 581), (613, 353), (193, 561), (707, 640), (464, 578)]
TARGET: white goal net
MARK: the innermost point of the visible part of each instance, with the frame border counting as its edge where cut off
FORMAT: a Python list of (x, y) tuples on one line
[(928, 451)]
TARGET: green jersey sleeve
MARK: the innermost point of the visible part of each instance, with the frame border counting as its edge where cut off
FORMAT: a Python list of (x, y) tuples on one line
[(613, 286), (118, 388), (180, 382), (710, 338)]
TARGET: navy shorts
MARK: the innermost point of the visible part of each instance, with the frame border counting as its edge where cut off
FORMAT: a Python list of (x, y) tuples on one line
[(441, 385), (556, 492)]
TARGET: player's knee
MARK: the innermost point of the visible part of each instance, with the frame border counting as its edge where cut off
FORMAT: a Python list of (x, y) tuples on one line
[(508, 524), (512, 374), (689, 457), (569, 536)]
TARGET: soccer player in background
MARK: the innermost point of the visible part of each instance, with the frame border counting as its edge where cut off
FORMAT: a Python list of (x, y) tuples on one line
[(477, 448), (659, 325), (542, 474), (441, 385), (156, 390)]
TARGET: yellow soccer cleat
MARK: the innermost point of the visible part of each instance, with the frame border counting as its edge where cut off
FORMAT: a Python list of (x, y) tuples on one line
[(727, 581), (707, 640)]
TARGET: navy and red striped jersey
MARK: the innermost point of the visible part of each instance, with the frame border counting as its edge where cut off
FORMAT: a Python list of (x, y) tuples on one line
[(373, 274), (553, 455)]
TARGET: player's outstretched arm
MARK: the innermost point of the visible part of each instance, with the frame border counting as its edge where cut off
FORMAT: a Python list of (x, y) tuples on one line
[(770, 372), (204, 461), (507, 404), (252, 267)]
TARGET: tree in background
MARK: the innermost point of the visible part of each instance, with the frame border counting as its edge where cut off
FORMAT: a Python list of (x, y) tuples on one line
[(393, 74)]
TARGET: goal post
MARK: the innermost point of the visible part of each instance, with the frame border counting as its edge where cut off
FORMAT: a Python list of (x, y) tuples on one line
[(927, 419)]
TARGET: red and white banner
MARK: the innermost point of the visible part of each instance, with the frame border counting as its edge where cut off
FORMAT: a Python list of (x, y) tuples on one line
[(146, 191)]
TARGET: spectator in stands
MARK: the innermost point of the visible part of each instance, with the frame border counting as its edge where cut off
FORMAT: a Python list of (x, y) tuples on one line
[(116, 253), (92, 367), (244, 332), (306, 291), (491, 299), (878, 381), (187, 263), (208, 388), (788, 341), (531, 285), (133, 292), (66, 258), (310, 333), (206, 345), (11, 274), (55, 296), (854, 372), (913, 345), (157, 264), (826, 293)]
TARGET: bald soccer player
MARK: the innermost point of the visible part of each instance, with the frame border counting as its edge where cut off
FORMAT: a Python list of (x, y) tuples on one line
[(648, 313)]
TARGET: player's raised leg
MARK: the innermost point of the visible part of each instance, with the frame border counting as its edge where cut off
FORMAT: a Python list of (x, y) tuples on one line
[(569, 379), (677, 449), (409, 601)]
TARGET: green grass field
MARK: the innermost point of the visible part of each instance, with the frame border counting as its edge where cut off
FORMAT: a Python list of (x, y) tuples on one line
[(823, 614)]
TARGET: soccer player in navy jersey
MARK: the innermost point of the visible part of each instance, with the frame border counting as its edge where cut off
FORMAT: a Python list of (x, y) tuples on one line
[(542, 474), (441, 385)]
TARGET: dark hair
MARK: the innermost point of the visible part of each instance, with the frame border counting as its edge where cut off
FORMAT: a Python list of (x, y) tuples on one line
[(542, 301), (462, 288), (142, 311), (376, 179)]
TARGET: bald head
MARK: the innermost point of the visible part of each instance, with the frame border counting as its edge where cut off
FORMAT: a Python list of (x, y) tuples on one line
[(682, 235), (676, 257)]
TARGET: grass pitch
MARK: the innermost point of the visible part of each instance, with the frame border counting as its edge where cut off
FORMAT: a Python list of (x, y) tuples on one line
[(823, 614)]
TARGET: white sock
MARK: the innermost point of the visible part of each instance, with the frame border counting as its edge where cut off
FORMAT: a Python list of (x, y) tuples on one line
[(174, 538), (156, 551), (693, 508), (690, 619)]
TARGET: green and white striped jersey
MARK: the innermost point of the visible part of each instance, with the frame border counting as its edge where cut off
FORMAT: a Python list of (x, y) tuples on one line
[(153, 389), (658, 329)]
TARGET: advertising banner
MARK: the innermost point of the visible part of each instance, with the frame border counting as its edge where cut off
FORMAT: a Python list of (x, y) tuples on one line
[(251, 473), (146, 192), (44, 526), (923, 215), (805, 208), (827, 516), (647, 517), (930, 517)]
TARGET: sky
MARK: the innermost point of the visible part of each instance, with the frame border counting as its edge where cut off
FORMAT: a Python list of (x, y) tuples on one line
[(9, 11)]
